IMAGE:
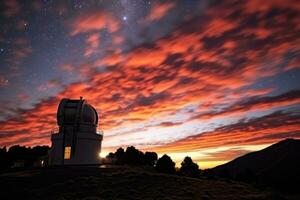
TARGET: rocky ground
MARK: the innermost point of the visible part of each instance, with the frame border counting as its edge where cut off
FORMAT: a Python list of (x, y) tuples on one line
[(120, 183)]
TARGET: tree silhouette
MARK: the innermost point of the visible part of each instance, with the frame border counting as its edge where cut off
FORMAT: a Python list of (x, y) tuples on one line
[(110, 155), (133, 156), (150, 158), (26, 155), (119, 155), (4, 163), (189, 168), (165, 165)]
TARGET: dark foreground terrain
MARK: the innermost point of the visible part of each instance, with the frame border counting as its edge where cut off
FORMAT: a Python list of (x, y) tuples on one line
[(120, 183)]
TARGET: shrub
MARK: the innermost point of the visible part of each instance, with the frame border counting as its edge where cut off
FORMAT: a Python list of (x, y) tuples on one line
[(150, 158), (133, 156), (119, 155), (189, 168), (165, 165)]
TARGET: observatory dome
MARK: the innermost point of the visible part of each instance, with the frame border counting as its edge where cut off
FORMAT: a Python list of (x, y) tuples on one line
[(74, 111)]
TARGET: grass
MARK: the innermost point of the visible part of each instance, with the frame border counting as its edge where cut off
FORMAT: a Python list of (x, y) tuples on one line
[(91, 183)]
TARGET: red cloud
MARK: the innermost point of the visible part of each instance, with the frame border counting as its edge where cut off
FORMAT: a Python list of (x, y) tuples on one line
[(117, 39), (293, 64), (112, 59), (218, 26), (93, 42), (258, 6), (159, 10), (29, 128), (94, 22)]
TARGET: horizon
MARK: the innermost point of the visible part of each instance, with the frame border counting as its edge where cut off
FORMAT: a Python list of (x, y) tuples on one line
[(177, 161), (209, 80)]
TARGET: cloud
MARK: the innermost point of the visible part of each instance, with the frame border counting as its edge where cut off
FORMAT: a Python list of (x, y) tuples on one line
[(23, 97), (53, 83), (225, 155), (263, 130), (20, 50), (158, 11), (255, 103), (169, 124), (8, 109), (22, 53), (94, 22), (151, 100), (67, 68), (112, 59), (29, 128), (93, 43), (293, 64), (117, 39)]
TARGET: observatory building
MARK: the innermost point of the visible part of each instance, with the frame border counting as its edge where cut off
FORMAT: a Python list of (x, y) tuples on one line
[(77, 141)]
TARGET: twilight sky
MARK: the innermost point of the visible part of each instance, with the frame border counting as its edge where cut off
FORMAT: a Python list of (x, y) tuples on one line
[(208, 79)]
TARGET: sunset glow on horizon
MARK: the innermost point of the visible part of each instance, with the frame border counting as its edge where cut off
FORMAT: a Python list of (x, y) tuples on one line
[(205, 79)]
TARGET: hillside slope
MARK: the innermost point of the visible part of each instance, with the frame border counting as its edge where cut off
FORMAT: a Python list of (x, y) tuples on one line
[(95, 183), (277, 165)]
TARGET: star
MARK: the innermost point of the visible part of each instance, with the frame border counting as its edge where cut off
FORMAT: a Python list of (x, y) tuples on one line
[(124, 18), (2, 50)]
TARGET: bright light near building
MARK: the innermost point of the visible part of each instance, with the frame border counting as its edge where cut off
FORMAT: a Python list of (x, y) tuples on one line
[(103, 154)]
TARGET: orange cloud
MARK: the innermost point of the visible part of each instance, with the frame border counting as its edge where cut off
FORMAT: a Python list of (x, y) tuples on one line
[(159, 10), (117, 39), (93, 43), (94, 22), (112, 59), (264, 130)]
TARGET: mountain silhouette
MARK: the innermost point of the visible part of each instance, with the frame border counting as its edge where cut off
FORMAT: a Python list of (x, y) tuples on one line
[(277, 165)]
